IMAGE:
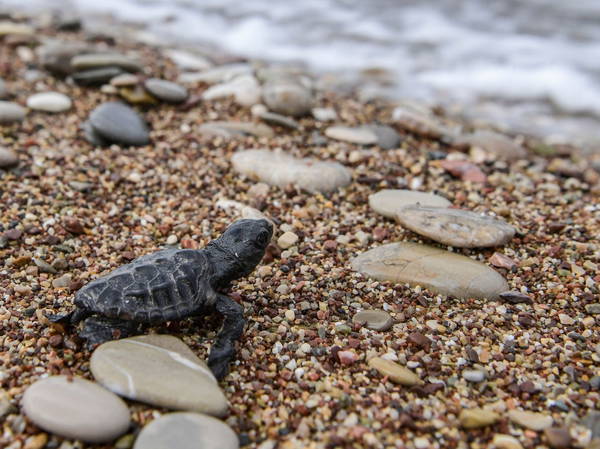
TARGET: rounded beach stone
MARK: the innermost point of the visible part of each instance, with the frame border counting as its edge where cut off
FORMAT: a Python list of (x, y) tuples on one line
[(186, 431), (8, 158), (97, 60), (49, 102), (396, 373), (166, 90), (389, 201), (117, 122), (477, 417), (377, 320), (530, 420), (76, 408), (287, 97), (160, 370), (233, 129), (455, 227), (280, 169), (438, 270), (494, 143), (360, 135), (11, 112)]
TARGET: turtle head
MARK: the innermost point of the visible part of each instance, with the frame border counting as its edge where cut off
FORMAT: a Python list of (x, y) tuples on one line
[(239, 250)]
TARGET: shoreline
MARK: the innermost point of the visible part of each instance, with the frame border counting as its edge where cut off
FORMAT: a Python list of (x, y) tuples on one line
[(83, 210)]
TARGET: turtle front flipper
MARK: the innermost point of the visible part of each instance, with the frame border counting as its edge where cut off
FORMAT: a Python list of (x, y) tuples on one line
[(98, 329), (71, 318), (223, 349)]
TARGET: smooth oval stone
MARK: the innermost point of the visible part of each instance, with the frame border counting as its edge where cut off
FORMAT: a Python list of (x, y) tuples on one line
[(117, 122), (8, 158), (441, 271), (76, 408), (7, 28), (280, 169), (49, 102), (160, 370), (360, 135), (97, 60), (287, 98), (396, 373), (244, 89), (455, 227), (477, 417), (388, 202), (387, 137), (55, 56), (96, 77), (378, 320), (494, 143), (278, 119), (11, 112), (217, 74), (166, 90), (530, 420), (186, 431), (232, 129)]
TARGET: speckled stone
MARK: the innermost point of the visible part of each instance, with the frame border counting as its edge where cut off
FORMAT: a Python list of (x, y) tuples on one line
[(441, 271), (76, 408), (280, 169), (377, 320), (455, 227), (186, 431), (49, 102), (118, 123), (166, 90), (160, 370), (11, 112), (389, 201)]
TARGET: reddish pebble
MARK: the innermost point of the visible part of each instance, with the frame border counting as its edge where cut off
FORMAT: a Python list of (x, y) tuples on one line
[(330, 245), (13, 234), (189, 244), (501, 261), (55, 340), (467, 171), (73, 226), (347, 357), (379, 234)]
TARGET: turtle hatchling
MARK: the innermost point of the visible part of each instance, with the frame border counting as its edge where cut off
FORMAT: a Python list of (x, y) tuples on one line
[(173, 284)]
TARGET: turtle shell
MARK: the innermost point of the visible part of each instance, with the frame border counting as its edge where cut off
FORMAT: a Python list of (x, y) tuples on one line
[(166, 285)]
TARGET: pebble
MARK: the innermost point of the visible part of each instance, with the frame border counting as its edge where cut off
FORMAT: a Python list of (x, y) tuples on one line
[(377, 320), (474, 375), (233, 129), (558, 437), (530, 420), (166, 91), (98, 60), (565, 319), (96, 77), (278, 119), (62, 282), (287, 97), (347, 357), (593, 309), (441, 271), (118, 123), (396, 373), (55, 55), (477, 417), (287, 240), (493, 143), (502, 441), (387, 137), (456, 227), (324, 114), (49, 102), (465, 170), (76, 408), (36, 441), (186, 60), (7, 28), (515, 297), (244, 89), (421, 122), (217, 74), (280, 169), (8, 158), (389, 201), (125, 80), (360, 135), (186, 431), (501, 261), (159, 370), (11, 112)]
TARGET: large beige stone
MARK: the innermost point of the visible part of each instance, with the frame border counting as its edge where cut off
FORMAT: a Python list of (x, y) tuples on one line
[(455, 227), (389, 201), (160, 370), (396, 373), (441, 271)]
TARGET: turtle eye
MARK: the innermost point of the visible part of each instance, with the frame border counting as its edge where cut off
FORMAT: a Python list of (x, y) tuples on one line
[(262, 239)]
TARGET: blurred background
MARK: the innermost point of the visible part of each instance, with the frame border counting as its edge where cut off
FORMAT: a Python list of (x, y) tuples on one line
[(529, 66)]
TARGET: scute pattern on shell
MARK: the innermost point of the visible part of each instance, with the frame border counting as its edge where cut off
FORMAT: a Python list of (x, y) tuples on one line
[(167, 285)]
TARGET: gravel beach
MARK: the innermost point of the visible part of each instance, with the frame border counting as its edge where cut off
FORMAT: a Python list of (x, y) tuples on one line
[(421, 370)]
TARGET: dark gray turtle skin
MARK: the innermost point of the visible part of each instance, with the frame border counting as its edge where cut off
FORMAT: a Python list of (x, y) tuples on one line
[(174, 284)]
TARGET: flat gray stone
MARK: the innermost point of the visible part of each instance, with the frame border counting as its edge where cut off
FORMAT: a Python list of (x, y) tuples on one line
[(11, 112), (49, 102), (359, 135), (98, 60), (377, 320), (280, 169), (166, 90), (96, 77), (159, 370), (76, 408), (235, 129), (186, 431), (438, 270), (118, 123), (55, 55), (244, 89), (493, 143), (217, 74), (389, 201), (456, 227), (287, 97), (8, 158), (278, 119), (387, 137)]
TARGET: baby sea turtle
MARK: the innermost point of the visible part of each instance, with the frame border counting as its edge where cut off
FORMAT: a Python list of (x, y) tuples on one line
[(173, 284)]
